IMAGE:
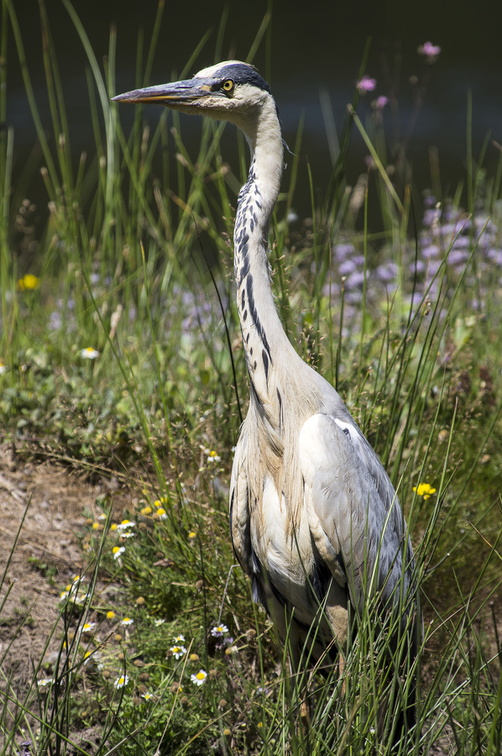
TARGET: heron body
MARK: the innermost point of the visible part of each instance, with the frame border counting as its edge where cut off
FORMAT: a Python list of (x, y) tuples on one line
[(315, 520)]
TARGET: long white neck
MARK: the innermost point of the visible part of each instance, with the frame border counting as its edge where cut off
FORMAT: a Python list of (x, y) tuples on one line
[(262, 332)]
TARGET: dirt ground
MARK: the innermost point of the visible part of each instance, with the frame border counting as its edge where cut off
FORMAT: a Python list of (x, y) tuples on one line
[(52, 499)]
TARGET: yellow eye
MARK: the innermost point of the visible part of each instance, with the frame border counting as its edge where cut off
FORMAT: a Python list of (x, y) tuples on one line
[(228, 85)]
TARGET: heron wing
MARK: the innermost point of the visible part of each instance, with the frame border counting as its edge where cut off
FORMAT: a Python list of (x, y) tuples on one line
[(353, 512)]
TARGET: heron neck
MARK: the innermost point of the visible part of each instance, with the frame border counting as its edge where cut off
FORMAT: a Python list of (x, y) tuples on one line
[(263, 335)]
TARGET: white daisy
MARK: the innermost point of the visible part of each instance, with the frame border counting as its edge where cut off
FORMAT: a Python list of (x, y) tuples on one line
[(219, 630), (199, 678), (178, 651), (89, 353)]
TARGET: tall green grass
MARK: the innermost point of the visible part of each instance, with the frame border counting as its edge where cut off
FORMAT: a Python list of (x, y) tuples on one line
[(135, 261)]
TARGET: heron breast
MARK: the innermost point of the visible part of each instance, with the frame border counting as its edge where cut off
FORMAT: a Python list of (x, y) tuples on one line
[(284, 551)]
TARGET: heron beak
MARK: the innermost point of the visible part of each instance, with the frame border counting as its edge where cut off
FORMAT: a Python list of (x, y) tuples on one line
[(177, 93)]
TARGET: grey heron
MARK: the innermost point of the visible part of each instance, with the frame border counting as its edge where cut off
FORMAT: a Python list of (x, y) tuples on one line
[(315, 520)]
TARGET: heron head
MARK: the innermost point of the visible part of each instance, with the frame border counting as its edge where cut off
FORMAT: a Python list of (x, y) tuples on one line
[(230, 91)]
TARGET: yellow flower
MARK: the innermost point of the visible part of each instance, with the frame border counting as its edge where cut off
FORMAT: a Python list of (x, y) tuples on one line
[(28, 282), (110, 615), (192, 534), (425, 490), (146, 511)]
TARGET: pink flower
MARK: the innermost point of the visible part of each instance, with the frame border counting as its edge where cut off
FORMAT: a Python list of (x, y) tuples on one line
[(381, 102), (429, 51), (365, 84)]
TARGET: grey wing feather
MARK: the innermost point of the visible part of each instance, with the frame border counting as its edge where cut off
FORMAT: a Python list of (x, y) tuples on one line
[(353, 512)]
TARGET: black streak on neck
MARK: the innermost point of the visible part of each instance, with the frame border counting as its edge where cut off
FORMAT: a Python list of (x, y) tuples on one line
[(246, 223)]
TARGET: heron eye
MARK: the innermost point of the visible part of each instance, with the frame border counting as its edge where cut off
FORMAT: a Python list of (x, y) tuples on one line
[(228, 85)]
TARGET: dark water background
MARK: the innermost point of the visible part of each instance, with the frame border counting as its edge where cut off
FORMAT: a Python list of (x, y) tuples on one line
[(314, 47)]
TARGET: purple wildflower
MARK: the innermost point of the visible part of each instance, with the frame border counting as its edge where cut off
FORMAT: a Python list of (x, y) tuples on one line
[(433, 267), (429, 51), (430, 250), (495, 255), (365, 84), (380, 102), (416, 267), (431, 216), (462, 225), (343, 250), (347, 267), (353, 297), (461, 242), (355, 280), (457, 257), (55, 321), (387, 272), (449, 214), (455, 228), (485, 226)]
